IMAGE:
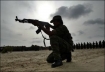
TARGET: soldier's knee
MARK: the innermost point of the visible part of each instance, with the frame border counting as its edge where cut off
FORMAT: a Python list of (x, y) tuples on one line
[(49, 60)]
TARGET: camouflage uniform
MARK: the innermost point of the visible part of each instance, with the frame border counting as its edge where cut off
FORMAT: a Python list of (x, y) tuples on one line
[(61, 43)]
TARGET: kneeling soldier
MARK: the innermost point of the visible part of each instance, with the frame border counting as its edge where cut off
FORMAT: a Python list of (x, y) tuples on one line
[(61, 42)]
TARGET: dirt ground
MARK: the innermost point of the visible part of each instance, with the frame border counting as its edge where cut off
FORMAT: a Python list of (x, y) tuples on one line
[(34, 61)]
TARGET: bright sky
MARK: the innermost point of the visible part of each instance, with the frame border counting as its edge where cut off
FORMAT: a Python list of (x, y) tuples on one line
[(84, 19)]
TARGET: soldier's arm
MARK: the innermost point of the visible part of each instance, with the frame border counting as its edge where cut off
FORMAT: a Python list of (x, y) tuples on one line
[(47, 31)]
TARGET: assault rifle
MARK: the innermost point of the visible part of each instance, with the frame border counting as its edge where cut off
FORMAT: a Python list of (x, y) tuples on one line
[(33, 21)]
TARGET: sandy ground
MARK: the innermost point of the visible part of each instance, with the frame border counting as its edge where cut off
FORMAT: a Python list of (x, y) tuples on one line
[(34, 61)]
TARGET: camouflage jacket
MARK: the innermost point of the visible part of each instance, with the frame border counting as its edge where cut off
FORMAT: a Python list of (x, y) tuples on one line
[(63, 33)]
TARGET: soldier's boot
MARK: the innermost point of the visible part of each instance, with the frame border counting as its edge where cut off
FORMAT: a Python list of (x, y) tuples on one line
[(68, 57), (57, 63)]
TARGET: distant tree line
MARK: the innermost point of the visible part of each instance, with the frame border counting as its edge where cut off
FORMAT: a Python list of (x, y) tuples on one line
[(89, 45), (6, 49)]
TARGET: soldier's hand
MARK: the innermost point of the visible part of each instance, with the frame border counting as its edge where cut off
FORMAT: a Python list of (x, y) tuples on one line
[(47, 27)]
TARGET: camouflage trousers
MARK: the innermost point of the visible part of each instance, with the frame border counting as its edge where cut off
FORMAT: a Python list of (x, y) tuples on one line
[(59, 46)]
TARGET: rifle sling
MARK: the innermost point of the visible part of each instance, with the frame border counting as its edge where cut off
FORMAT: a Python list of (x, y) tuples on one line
[(44, 39)]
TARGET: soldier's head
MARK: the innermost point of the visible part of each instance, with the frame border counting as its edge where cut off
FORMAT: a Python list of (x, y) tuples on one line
[(57, 20)]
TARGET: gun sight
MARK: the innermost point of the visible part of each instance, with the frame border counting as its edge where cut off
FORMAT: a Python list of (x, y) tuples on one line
[(16, 18)]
